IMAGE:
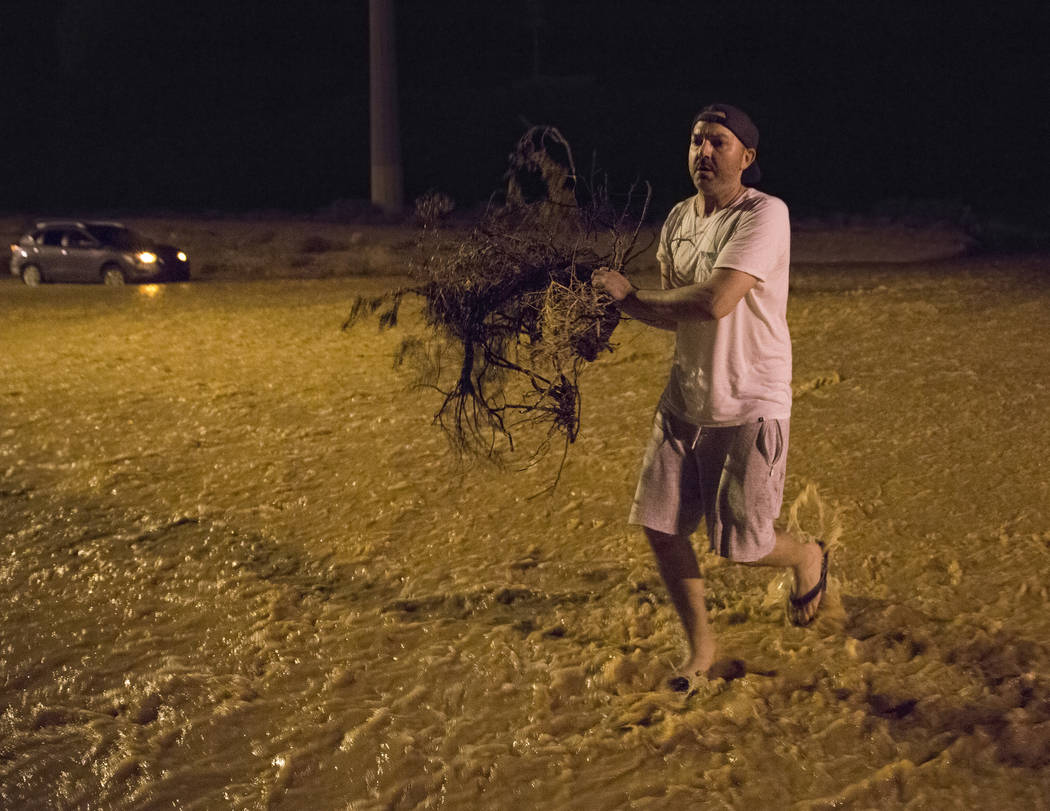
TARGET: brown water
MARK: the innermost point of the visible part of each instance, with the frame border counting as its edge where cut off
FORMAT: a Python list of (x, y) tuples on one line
[(240, 568)]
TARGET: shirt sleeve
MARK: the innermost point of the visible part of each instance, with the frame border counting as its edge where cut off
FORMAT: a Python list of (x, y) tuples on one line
[(664, 249), (761, 238), (663, 246)]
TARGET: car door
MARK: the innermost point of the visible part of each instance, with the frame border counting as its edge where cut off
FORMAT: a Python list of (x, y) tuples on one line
[(48, 254), (82, 256)]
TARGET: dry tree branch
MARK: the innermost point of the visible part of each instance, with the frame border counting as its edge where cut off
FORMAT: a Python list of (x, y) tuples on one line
[(514, 299)]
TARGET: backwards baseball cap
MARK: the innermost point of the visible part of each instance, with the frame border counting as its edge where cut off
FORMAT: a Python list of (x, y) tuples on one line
[(740, 124)]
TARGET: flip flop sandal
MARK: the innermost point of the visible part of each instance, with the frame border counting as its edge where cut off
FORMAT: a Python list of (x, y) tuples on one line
[(818, 590), (681, 684)]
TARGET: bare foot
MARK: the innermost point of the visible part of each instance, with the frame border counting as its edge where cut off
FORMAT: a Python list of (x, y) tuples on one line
[(696, 666), (807, 576)]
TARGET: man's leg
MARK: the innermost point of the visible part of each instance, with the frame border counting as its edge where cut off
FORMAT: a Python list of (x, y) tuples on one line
[(681, 575), (805, 561), (748, 500)]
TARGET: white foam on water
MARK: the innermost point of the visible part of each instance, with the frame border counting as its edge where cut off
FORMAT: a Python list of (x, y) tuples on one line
[(241, 569)]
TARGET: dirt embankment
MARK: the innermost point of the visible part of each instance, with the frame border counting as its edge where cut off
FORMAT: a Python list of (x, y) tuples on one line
[(267, 246)]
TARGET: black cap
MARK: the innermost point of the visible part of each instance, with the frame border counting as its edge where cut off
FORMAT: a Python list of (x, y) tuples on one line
[(740, 124)]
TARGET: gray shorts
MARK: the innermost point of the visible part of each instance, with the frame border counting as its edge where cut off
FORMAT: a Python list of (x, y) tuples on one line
[(732, 476)]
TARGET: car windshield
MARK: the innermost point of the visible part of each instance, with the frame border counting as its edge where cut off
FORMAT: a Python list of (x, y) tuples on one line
[(118, 237)]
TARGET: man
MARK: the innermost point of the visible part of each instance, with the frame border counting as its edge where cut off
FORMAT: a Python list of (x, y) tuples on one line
[(719, 445)]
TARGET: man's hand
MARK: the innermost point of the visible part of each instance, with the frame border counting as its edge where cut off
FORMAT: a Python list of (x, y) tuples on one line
[(612, 282)]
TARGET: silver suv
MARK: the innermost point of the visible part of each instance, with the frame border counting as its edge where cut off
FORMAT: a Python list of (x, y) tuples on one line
[(90, 251)]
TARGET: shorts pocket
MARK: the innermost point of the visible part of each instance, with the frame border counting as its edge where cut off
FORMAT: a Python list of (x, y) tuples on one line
[(770, 442)]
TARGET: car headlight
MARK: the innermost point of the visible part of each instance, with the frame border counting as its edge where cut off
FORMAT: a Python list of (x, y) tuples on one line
[(146, 257), (182, 256)]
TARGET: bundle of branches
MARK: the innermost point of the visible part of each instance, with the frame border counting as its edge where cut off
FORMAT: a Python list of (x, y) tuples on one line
[(511, 305)]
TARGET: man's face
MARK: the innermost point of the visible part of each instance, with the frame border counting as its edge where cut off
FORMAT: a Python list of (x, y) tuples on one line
[(717, 158)]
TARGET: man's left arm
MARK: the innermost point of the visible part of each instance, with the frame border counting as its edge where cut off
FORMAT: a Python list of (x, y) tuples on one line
[(709, 301)]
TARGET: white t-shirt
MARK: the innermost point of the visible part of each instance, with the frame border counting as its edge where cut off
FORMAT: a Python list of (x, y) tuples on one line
[(737, 368)]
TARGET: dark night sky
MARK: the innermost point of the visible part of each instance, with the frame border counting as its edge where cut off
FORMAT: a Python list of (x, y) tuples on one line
[(120, 105)]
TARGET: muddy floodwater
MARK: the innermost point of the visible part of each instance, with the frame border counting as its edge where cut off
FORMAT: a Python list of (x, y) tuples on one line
[(240, 568)]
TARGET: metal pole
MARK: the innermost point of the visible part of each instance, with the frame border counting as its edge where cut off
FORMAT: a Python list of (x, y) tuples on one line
[(387, 176)]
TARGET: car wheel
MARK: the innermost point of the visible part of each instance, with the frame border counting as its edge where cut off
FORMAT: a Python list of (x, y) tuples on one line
[(113, 276), (31, 275)]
